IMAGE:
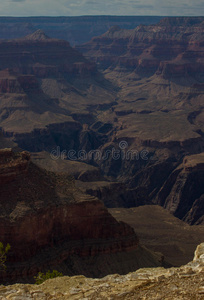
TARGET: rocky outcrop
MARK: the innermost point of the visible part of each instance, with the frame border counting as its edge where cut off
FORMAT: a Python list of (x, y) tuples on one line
[(12, 165), (49, 223), (37, 35), (185, 282)]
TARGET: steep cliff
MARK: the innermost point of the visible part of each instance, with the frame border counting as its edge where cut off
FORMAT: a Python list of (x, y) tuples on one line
[(183, 191), (49, 223)]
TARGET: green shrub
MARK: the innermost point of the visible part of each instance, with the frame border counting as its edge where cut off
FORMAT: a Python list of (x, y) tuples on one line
[(3, 254), (41, 277)]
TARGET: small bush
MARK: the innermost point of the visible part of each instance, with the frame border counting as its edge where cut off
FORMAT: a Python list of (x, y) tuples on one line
[(41, 277), (3, 254)]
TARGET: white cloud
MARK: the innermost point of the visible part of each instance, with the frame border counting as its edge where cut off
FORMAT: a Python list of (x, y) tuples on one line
[(98, 7)]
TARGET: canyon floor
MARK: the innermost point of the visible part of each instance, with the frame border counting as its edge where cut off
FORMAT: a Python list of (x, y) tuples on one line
[(160, 231)]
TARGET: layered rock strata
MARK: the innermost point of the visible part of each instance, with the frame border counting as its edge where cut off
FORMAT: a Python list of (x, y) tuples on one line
[(49, 223), (173, 47)]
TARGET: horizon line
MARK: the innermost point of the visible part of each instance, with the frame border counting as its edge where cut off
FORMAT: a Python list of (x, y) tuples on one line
[(78, 16)]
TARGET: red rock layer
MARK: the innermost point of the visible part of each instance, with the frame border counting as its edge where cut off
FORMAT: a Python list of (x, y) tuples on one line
[(46, 219)]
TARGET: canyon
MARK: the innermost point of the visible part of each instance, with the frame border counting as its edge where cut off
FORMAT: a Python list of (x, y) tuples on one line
[(135, 96), (67, 103), (159, 69)]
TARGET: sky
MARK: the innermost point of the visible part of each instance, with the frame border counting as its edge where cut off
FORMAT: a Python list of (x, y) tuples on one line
[(101, 7)]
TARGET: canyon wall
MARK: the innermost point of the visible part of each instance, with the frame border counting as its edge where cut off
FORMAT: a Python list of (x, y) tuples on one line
[(49, 223)]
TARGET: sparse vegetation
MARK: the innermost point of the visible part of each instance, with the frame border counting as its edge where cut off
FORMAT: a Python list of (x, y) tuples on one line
[(3, 255), (41, 277)]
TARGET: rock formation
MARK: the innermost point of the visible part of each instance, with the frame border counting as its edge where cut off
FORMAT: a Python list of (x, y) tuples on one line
[(185, 282), (76, 30), (43, 82), (171, 48), (148, 96), (33, 54), (49, 223), (159, 109)]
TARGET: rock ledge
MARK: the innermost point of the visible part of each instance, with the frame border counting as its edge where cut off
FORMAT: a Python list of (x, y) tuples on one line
[(186, 282)]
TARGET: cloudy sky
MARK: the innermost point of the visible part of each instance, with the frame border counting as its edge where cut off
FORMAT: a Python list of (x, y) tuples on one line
[(101, 7)]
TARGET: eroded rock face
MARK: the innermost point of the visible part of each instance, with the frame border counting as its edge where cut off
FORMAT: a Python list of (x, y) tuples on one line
[(33, 55), (183, 191), (185, 282), (50, 223), (159, 70), (11, 82), (171, 49), (42, 83)]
